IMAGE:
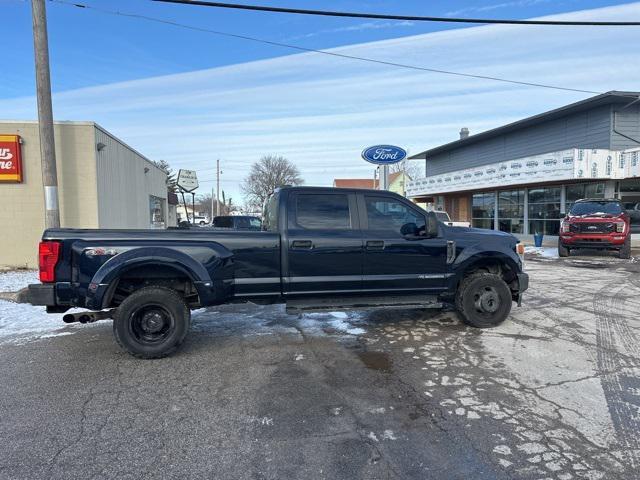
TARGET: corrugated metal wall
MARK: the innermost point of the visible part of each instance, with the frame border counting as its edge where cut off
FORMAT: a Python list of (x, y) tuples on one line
[(627, 123), (124, 186), (590, 129)]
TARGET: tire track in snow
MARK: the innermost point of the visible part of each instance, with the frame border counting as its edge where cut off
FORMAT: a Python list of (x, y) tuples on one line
[(619, 375)]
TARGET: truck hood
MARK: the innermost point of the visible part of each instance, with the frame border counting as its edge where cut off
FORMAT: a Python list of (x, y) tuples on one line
[(595, 218), (482, 235)]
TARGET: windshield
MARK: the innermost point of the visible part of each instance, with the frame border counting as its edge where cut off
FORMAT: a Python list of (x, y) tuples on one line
[(603, 208), (443, 216)]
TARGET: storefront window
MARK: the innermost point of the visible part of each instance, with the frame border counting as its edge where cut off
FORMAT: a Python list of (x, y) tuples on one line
[(544, 210), (511, 211), (583, 190), (483, 210), (156, 211), (630, 196)]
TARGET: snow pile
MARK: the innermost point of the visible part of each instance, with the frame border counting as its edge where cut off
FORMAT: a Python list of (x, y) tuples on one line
[(548, 252), (17, 280)]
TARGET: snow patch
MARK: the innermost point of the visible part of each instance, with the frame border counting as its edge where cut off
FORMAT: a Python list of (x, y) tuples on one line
[(346, 327), (24, 320), (547, 252), (17, 280)]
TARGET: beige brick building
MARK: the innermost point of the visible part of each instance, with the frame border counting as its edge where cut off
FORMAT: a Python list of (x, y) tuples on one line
[(103, 183)]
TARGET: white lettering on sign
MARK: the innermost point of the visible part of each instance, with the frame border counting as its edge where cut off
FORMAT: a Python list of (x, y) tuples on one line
[(5, 154), (384, 154), (6, 165)]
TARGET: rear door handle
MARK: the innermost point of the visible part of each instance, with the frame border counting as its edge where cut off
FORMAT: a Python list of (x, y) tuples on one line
[(302, 244), (375, 244)]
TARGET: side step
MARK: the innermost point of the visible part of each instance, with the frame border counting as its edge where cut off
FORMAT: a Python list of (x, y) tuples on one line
[(306, 305)]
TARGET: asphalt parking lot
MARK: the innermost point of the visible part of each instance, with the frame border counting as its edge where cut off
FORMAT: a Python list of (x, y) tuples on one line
[(554, 392)]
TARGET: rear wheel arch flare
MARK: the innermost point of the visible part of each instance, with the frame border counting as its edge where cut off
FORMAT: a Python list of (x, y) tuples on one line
[(163, 270)]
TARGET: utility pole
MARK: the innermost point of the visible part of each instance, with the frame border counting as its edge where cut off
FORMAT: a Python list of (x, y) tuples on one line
[(218, 187), (45, 115), (212, 212)]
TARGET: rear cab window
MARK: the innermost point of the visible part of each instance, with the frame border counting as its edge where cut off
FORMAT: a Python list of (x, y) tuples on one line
[(270, 213), (319, 211)]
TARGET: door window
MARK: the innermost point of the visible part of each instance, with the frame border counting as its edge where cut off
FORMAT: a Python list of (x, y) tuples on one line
[(323, 212), (387, 214)]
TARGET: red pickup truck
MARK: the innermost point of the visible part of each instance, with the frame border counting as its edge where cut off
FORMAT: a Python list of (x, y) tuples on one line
[(596, 224)]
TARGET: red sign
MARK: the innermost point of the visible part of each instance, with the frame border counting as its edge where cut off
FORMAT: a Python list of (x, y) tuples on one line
[(10, 159)]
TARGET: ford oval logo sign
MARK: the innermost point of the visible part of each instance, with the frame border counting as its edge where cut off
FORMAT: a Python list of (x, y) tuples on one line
[(384, 154)]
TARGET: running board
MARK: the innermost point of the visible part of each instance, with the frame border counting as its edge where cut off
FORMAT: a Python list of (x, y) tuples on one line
[(296, 306)]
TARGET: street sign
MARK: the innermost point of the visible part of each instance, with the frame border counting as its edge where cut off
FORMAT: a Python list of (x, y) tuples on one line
[(384, 154), (187, 180)]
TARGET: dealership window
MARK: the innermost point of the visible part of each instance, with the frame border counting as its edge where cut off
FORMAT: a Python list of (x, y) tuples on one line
[(483, 210), (544, 210), (583, 190), (156, 212), (511, 211)]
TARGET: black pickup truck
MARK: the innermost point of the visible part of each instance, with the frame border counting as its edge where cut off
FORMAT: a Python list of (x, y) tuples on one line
[(320, 248)]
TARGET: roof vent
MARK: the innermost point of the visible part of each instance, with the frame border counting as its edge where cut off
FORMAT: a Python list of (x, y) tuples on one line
[(464, 133)]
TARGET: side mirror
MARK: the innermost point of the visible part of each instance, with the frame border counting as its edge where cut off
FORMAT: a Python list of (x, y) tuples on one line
[(409, 230), (431, 228)]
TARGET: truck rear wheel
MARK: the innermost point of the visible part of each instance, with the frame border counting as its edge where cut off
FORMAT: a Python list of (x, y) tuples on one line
[(483, 300), (625, 251), (152, 322)]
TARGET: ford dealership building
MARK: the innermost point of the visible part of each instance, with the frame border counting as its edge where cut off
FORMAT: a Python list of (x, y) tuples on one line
[(522, 177)]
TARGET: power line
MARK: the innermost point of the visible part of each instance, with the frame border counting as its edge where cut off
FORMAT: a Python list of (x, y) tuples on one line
[(412, 18), (324, 52)]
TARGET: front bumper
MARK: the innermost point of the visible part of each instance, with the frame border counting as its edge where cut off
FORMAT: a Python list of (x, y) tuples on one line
[(593, 241)]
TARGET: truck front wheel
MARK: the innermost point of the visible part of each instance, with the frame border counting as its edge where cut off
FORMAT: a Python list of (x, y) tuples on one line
[(483, 300), (625, 251), (562, 250), (152, 322)]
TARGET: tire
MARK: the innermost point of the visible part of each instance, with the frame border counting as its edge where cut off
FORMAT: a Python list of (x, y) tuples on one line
[(201, 223), (483, 300), (152, 322), (625, 251), (562, 250)]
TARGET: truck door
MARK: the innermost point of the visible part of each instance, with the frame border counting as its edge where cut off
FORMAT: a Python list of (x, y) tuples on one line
[(397, 262), (324, 244)]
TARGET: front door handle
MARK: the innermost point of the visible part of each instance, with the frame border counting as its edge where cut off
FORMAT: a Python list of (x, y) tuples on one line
[(302, 244), (375, 244)]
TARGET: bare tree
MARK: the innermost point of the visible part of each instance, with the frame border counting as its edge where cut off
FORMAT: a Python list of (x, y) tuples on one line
[(412, 168), (203, 205), (270, 172)]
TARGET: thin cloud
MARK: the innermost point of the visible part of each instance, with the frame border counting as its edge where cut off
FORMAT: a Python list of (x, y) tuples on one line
[(356, 28), (496, 6)]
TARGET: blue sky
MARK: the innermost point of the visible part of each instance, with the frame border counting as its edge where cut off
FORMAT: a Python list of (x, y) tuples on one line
[(93, 48), (191, 97)]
